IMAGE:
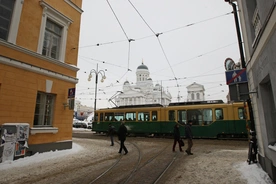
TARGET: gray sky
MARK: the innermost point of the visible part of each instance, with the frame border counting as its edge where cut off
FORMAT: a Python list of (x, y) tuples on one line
[(197, 36)]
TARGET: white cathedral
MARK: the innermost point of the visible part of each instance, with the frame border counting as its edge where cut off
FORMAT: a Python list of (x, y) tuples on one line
[(144, 91), (196, 92)]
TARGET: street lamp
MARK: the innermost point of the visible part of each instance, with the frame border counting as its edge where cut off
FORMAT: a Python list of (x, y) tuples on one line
[(96, 72)]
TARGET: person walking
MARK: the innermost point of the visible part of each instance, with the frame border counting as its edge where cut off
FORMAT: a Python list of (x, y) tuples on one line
[(189, 136), (122, 137), (176, 136), (111, 131)]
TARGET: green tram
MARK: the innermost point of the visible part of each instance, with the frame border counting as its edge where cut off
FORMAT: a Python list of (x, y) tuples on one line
[(211, 119)]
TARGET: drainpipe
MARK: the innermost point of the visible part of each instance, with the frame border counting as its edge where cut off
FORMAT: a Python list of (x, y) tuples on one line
[(238, 31)]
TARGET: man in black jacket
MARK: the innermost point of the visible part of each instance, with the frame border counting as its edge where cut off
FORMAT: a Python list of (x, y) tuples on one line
[(189, 136), (176, 136), (122, 132)]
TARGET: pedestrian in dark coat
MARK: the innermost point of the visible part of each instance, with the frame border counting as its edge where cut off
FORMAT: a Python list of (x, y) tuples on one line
[(189, 136), (111, 131), (176, 135), (122, 132)]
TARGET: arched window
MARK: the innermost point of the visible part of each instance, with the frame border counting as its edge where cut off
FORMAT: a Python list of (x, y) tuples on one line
[(197, 96), (193, 96)]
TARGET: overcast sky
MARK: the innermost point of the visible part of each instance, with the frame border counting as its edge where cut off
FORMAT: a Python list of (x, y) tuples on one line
[(195, 39)]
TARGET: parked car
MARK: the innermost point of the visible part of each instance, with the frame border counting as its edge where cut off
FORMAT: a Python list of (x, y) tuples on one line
[(74, 122), (80, 124), (89, 125)]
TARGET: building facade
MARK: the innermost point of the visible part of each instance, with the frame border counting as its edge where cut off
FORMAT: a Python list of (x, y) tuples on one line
[(38, 59), (258, 26), (196, 92), (144, 91)]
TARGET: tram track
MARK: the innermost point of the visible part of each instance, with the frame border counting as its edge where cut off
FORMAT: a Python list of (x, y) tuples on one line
[(116, 164), (144, 162), (144, 171)]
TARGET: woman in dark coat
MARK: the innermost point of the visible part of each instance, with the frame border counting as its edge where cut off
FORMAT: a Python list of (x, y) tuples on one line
[(176, 135), (122, 132)]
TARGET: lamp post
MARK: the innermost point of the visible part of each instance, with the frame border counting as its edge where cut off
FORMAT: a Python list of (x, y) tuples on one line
[(96, 72)]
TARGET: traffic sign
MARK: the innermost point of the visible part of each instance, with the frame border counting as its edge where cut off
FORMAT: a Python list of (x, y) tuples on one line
[(236, 76), (71, 92)]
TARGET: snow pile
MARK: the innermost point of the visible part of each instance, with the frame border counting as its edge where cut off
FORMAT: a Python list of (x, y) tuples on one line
[(253, 173)]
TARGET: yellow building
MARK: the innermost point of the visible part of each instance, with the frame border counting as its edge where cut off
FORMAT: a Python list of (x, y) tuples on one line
[(38, 59)]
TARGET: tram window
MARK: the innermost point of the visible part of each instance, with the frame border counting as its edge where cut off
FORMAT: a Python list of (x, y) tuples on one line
[(143, 116), (207, 116), (101, 116), (154, 116), (119, 116), (171, 116), (130, 116), (182, 116), (96, 117), (195, 115), (241, 113), (109, 117), (219, 114)]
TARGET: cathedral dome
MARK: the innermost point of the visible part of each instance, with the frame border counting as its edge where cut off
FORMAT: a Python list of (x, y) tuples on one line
[(126, 83), (142, 66)]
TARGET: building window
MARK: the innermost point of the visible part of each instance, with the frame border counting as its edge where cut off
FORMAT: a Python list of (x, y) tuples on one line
[(197, 96), (193, 96), (269, 109), (256, 22), (6, 11), (44, 109), (53, 33), (52, 38)]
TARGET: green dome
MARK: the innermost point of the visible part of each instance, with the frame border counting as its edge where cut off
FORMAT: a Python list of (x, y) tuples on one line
[(142, 66)]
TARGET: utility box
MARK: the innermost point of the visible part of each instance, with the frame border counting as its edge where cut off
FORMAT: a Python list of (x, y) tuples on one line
[(14, 140)]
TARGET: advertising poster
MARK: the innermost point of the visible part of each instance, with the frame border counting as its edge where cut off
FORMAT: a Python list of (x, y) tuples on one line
[(8, 152), (19, 149), (22, 132)]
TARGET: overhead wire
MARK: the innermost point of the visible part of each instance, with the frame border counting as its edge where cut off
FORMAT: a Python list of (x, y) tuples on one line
[(117, 19), (198, 56), (157, 36), (99, 44), (163, 32), (129, 40), (192, 24)]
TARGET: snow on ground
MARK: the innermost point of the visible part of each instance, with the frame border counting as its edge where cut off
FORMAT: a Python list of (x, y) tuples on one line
[(252, 173), (40, 157)]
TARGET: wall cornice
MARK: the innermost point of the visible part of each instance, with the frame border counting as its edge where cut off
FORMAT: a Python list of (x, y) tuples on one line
[(39, 56)]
